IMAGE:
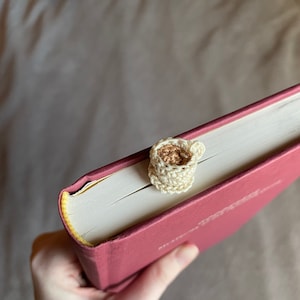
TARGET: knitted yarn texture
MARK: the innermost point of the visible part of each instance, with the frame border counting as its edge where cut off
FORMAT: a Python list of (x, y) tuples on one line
[(173, 162)]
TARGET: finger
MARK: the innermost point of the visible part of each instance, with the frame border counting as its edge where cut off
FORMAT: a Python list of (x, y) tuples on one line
[(50, 240), (151, 284), (52, 256)]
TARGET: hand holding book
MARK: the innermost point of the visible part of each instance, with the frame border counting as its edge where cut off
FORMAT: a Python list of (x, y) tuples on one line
[(57, 274)]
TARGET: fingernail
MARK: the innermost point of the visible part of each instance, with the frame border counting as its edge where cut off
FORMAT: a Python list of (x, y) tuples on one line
[(186, 253)]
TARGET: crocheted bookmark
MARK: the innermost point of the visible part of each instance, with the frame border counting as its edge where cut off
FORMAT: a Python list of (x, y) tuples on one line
[(173, 162)]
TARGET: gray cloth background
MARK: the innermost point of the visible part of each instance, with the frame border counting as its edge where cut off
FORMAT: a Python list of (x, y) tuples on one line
[(83, 83)]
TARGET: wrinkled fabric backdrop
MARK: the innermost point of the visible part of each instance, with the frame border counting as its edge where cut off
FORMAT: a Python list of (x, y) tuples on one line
[(83, 83)]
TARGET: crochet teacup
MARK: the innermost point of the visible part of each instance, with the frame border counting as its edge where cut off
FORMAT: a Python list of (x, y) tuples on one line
[(173, 162)]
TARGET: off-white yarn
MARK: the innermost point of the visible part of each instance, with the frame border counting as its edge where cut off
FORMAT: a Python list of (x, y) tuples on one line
[(173, 163)]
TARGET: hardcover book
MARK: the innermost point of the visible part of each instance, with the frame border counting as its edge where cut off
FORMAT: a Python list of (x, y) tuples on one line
[(120, 223)]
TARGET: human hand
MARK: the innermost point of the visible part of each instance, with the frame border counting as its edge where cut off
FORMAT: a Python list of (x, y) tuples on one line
[(57, 274)]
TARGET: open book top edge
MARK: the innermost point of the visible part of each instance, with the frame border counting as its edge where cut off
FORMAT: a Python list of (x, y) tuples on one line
[(100, 173)]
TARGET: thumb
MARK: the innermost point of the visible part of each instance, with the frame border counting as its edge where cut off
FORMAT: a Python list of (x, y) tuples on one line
[(154, 280)]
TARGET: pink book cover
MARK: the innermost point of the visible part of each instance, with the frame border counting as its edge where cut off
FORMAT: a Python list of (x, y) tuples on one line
[(204, 219)]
